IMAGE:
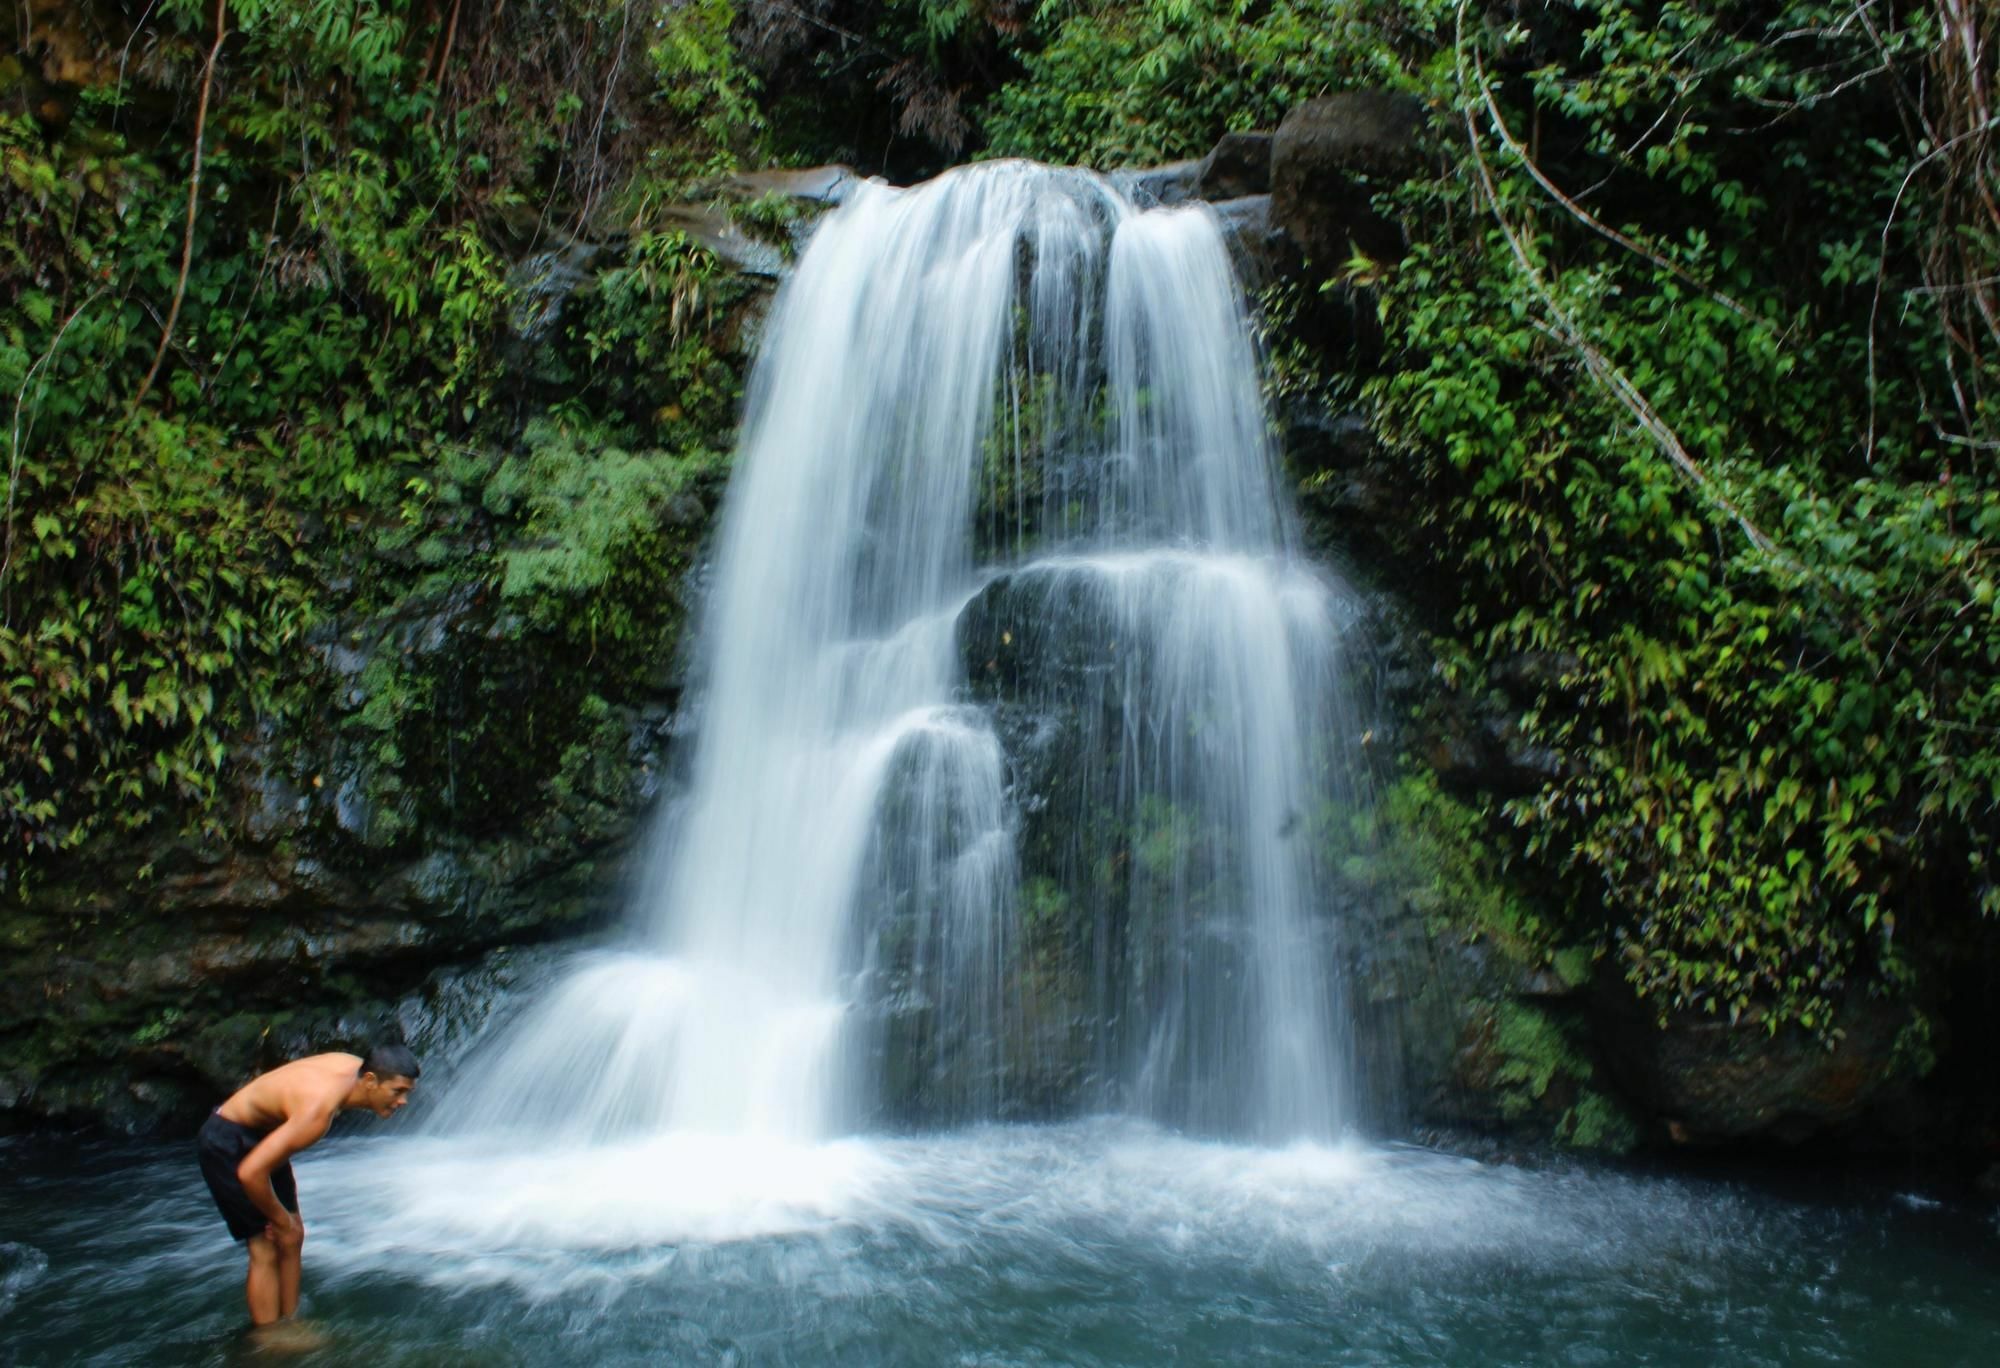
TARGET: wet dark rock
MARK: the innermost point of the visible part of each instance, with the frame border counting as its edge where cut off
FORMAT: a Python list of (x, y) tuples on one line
[(1160, 186), (1026, 632), (439, 879), (1237, 166), (1431, 999), (1370, 131), (131, 1017), (1517, 763), (1260, 251), (544, 282), (1710, 1080), (150, 974), (1472, 740), (277, 803), (1350, 490), (1322, 158), (1324, 440)]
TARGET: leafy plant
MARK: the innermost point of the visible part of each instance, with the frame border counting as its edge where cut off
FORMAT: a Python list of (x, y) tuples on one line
[(256, 310)]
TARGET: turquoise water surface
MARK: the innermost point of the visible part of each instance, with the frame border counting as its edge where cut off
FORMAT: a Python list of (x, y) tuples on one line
[(1098, 1243)]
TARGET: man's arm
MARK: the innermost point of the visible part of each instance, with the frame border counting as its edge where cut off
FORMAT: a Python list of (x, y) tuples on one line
[(274, 1149)]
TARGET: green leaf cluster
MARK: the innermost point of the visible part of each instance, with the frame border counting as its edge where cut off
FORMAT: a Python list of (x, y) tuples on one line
[(1766, 656), (1137, 83)]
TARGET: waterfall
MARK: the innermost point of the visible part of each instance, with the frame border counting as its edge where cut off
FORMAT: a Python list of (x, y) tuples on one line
[(1004, 457)]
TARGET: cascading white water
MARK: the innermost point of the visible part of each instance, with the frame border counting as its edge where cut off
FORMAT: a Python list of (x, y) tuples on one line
[(1210, 719), (849, 803)]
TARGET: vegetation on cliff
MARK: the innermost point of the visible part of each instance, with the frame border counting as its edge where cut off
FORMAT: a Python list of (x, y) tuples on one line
[(267, 351)]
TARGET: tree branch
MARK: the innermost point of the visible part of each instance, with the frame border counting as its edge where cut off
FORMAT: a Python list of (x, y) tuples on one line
[(450, 36), (1566, 331), (1583, 215), (194, 201)]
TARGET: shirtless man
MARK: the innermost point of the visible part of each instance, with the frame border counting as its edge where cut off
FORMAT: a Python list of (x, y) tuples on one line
[(246, 1148)]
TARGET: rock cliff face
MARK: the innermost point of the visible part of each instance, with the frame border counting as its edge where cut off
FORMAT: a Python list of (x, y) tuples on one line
[(370, 862), (146, 976)]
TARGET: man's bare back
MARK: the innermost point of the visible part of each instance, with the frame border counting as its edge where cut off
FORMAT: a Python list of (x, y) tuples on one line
[(311, 1087)]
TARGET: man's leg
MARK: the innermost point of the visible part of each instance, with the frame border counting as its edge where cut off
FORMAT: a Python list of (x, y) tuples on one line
[(290, 1253), (285, 1187), (262, 1288)]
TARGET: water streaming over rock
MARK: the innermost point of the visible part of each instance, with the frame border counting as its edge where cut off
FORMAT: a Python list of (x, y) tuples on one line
[(1004, 473)]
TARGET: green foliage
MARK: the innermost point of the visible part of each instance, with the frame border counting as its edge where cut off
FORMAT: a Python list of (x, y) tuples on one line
[(340, 344), (895, 85), (1770, 663), (699, 77), (159, 1028), (587, 510), (1536, 1056), (1596, 1122), (1684, 366), (150, 604), (1151, 81), (650, 330), (1436, 853), (555, 580), (1533, 1054), (1044, 906)]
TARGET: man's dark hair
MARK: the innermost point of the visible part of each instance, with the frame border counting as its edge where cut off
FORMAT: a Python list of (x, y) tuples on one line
[(390, 1059)]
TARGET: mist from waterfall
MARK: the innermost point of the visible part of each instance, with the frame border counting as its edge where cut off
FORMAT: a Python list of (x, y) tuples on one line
[(1022, 349)]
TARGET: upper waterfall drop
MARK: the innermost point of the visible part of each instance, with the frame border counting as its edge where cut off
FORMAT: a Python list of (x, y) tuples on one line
[(842, 884)]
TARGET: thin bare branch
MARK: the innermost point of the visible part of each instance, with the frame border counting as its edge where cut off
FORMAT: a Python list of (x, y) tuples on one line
[(1882, 260), (1583, 215), (450, 37), (1565, 330), (194, 202)]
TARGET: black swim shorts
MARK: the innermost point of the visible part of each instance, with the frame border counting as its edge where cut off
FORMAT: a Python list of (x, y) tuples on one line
[(221, 1146)]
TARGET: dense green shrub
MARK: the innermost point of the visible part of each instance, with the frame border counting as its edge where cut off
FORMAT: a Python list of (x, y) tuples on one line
[(256, 308), (1161, 79), (1683, 466)]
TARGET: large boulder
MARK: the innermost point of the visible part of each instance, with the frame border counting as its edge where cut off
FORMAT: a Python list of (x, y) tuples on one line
[(1160, 186), (1709, 1080), (1238, 165), (755, 222), (826, 185), (1323, 158)]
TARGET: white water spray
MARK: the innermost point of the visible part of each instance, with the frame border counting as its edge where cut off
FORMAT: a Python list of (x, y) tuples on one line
[(1005, 327)]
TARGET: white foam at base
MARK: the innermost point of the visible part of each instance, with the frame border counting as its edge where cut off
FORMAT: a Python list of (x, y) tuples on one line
[(469, 1212)]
